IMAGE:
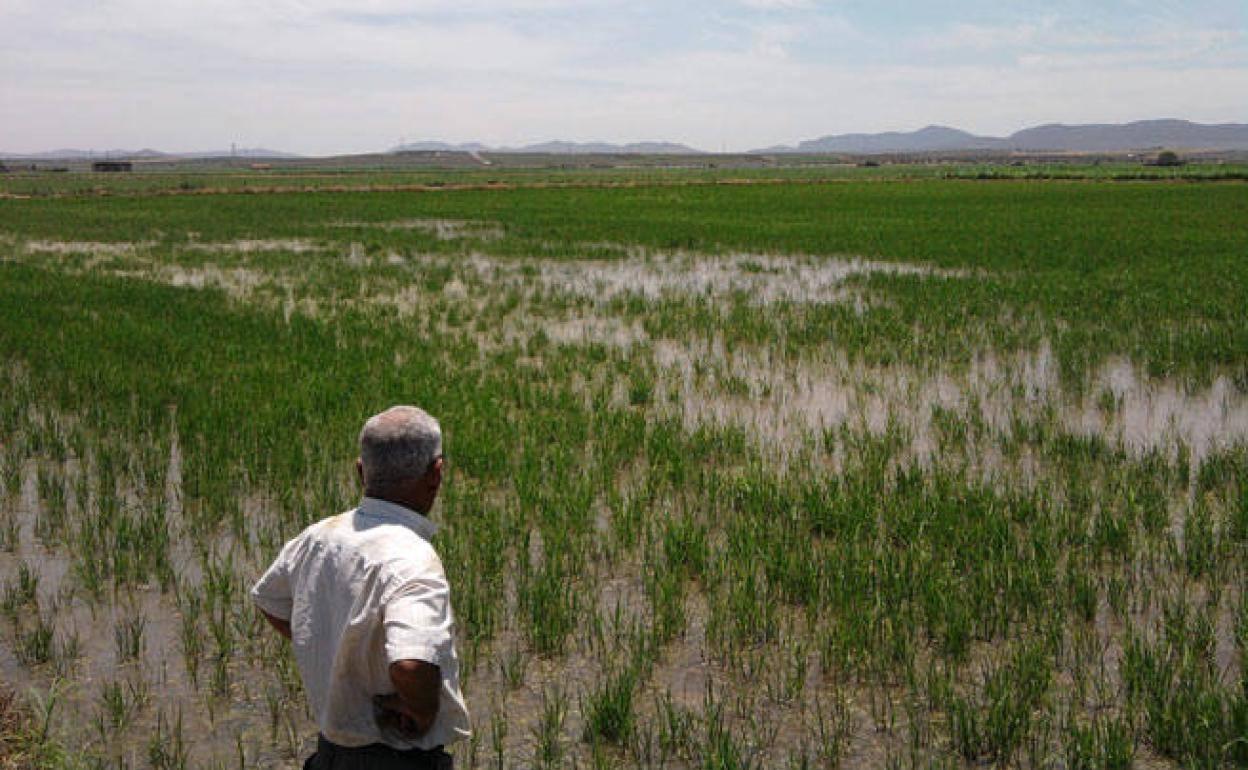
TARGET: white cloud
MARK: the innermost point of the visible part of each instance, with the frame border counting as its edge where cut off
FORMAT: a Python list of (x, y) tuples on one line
[(322, 76), (1051, 37), (778, 5)]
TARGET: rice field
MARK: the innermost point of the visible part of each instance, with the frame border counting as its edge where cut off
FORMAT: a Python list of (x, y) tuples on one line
[(870, 472)]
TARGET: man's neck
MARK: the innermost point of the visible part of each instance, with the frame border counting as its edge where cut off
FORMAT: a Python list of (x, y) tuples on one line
[(402, 500)]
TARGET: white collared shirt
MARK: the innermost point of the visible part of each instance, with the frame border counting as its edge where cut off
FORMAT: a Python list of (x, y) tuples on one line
[(361, 590)]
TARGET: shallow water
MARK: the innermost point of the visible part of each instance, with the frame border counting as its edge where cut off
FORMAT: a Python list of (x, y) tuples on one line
[(785, 405), (790, 402), (255, 245), (765, 278), (442, 229)]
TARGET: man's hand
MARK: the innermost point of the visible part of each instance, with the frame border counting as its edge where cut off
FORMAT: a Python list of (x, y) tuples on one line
[(412, 709), (394, 715), (282, 626)]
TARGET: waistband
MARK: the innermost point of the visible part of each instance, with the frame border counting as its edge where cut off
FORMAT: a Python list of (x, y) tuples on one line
[(324, 744)]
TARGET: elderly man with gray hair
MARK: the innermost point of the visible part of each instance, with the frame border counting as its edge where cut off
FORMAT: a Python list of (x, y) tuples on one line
[(364, 600)]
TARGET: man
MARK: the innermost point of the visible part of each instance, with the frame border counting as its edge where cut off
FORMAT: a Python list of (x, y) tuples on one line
[(365, 601)]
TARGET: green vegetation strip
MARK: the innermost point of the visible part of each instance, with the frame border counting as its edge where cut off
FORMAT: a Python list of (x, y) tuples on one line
[(1154, 272)]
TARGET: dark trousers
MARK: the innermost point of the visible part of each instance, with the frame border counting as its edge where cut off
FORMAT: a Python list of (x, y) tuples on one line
[(377, 756)]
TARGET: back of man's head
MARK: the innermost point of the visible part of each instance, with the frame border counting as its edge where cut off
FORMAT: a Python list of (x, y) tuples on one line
[(396, 445)]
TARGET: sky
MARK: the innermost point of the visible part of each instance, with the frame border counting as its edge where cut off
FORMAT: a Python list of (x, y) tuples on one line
[(321, 77)]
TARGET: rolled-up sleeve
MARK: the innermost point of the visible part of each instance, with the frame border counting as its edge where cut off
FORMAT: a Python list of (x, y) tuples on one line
[(417, 619), (272, 592)]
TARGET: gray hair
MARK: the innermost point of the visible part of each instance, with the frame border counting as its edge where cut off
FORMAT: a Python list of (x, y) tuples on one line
[(398, 444)]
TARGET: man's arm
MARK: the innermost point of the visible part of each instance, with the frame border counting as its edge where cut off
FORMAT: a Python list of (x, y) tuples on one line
[(282, 626), (418, 689), (273, 595), (419, 639)]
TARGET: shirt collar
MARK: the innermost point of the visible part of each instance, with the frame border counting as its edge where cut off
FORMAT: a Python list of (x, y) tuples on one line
[(385, 509)]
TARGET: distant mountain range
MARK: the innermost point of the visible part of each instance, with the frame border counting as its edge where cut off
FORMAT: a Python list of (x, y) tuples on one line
[(146, 154), (1141, 135), (557, 148), (1055, 137)]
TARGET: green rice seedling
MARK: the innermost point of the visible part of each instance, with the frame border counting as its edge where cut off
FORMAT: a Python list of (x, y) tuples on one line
[(918, 728), (8, 533), (189, 633), (512, 664), (35, 646), (548, 748), (550, 605), (220, 679), (498, 737), (1200, 541), (276, 705), (1241, 635), (664, 588), (23, 593), (607, 707), (685, 547), (27, 584), (786, 679), (677, 727), (11, 478), (719, 747), (128, 635), (1108, 402), (641, 390), (1106, 743), (166, 747), (1084, 596), (49, 526), (1189, 714), (68, 651), (1117, 595), (880, 704), (834, 727), (996, 725), (45, 707), (119, 701)]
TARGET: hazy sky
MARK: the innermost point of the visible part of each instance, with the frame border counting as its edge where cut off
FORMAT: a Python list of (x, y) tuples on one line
[(327, 76)]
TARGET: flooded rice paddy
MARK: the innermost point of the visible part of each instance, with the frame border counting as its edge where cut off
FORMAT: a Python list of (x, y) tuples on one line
[(702, 547)]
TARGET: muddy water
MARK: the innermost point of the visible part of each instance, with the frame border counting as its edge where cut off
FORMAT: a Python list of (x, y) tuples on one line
[(255, 245), (238, 282), (789, 403), (1154, 415), (93, 248), (214, 726), (442, 229), (781, 403), (763, 277)]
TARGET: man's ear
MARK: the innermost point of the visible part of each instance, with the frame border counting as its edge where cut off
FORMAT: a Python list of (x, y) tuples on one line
[(359, 469), (435, 470)]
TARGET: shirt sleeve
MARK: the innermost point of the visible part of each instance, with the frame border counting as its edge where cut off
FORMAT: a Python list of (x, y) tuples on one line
[(417, 619), (272, 592)]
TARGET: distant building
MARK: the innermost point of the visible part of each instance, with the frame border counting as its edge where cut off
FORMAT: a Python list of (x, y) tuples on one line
[(112, 165)]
